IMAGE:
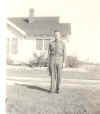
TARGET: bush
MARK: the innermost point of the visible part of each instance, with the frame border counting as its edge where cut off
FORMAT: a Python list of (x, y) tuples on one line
[(72, 62), (38, 61), (9, 61)]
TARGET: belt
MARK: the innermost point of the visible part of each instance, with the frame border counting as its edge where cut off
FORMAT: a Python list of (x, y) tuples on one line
[(57, 54)]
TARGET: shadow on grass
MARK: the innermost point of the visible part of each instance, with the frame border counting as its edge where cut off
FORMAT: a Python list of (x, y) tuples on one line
[(36, 87)]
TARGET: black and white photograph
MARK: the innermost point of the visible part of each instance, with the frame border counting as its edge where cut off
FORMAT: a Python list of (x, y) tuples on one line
[(52, 57)]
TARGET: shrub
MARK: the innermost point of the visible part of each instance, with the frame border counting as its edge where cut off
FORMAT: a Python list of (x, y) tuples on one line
[(9, 61), (72, 61), (40, 61)]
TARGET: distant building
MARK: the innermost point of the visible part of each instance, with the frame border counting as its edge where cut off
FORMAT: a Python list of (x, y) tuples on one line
[(28, 35)]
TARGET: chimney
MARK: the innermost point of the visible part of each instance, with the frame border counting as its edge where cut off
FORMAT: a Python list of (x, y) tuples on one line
[(31, 15)]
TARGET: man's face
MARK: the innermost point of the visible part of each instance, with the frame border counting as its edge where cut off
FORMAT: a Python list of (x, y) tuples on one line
[(57, 35)]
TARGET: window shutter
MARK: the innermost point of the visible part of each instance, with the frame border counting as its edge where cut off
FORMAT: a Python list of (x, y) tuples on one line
[(39, 44), (46, 43), (14, 46)]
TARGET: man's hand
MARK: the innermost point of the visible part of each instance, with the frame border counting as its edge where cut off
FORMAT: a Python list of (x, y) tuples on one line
[(64, 65)]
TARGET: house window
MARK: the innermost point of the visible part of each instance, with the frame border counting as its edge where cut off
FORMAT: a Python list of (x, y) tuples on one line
[(46, 43), (39, 44), (14, 46)]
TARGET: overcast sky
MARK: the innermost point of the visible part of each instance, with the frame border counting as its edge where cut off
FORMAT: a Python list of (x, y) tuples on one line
[(83, 14)]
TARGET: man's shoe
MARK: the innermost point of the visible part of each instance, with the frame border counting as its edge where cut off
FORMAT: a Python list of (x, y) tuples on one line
[(50, 91), (57, 91)]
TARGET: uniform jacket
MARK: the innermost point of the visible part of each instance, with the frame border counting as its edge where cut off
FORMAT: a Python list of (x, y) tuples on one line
[(56, 52)]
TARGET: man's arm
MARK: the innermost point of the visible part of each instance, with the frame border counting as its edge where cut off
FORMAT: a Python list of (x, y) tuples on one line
[(49, 49), (64, 55), (49, 52)]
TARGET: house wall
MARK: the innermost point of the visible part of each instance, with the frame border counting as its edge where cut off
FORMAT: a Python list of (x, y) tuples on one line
[(12, 43), (25, 48)]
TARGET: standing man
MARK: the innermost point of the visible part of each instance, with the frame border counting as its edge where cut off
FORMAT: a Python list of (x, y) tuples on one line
[(57, 56)]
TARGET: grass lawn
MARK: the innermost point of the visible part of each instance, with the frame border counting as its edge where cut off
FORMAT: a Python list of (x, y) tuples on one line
[(24, 99), (91, 73)]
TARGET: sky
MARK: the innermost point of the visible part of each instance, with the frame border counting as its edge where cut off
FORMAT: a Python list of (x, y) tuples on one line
[(84, 16)]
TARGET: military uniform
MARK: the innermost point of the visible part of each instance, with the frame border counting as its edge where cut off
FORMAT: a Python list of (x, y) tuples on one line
[(57, 54)]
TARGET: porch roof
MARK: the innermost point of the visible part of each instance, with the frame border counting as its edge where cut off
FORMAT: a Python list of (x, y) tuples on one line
[(41, 26)]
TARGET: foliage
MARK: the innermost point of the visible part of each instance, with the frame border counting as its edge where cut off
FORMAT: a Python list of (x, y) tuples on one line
[(72, 61), (9, 61), (39, 61)]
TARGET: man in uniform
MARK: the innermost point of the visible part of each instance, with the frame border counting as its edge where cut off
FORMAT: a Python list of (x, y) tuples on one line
[(57, 56)]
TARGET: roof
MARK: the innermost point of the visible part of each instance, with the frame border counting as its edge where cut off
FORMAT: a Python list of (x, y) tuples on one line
[(41, 25), (10, 25)]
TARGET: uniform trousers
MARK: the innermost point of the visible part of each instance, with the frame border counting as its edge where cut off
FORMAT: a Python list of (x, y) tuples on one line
[(56, 69)]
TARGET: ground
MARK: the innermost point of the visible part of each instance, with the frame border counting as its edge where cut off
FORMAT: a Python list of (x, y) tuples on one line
[(29, 98), (87, 72), (24, 99)]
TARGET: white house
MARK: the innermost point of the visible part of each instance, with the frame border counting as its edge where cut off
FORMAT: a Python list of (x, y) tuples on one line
[(29, 35)]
